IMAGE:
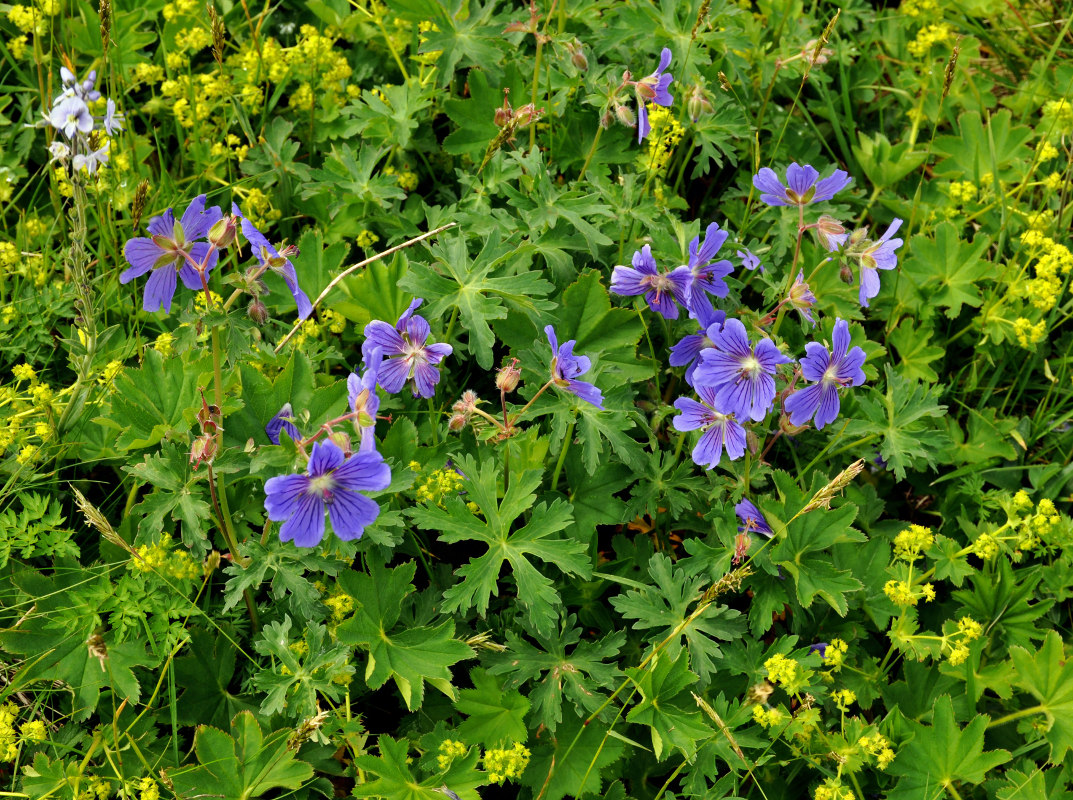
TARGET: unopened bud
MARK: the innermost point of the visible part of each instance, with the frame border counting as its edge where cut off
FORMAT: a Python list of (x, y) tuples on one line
[(502, 117), (698, 103), (752, 442), (827, 229), (577, 55), (258, 312), (341, 440), (606, 119), (203, 450), (845, 274), (625, 115), (457, 422), (527, 114), (789, 428), (508, 376), (222, 234)]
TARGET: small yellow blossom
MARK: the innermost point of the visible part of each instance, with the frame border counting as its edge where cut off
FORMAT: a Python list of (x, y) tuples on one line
[(766, 716), (450, 749), (148, 789), (928, 37), (832, 789), (877, 746), (781, 669), (844, 698), (911, 543), (24, 372), (506, 765), (970, 628), (27, 454), (962, 191), (366, 239), (986, 546)]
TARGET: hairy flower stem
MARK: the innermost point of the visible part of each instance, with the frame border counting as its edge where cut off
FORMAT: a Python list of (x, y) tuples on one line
[(76, 269), (792, 273), (562, 455), (592, 152)]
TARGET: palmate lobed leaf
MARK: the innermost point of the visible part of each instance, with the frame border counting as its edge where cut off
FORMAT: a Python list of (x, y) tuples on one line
[(396, 781), (1047, 675), (480, 576), (943, 754)]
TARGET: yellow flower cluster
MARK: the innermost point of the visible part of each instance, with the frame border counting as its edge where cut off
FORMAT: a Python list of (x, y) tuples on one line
[(340, 604), (230, 147), (506, 765), (1047, 151), (192, 39), (835, 653), (1059, 113), (962, 191), (877, 746), (34, 731), (928, 37), (210, 91), (903, 594), (335, 321), (970, 628), (450, 749), (163, 343), (666, 133), (320, 69), (766, 716), (108, 374), (179, 8), (160, 558), (28, 19), (366, 239), (919, 8), (406, 178), (148, 789), (439, 484), (985, 546), (258, 208), (911, 543), (1034, 528), (832, 789), (148, 73), (844, 698), (9, 738), (1029, 335), (781, 669), (1053, 262)]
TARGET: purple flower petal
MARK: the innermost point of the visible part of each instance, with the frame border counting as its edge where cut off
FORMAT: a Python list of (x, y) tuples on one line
[(801, 178), (379, 334), (159, 290), (365, 472), (351, 513), (281, 494), (326, 456), (142, 254), (305, 526), (392, 375)]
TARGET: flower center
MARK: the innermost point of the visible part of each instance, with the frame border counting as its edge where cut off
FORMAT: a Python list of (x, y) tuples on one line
[(322, 485), (661, 283), (750, 367)]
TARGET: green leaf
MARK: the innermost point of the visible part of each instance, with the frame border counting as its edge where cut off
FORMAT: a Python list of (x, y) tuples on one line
[(242, 765), (664, 703), (453, 281), (463, 32), (480, 575), (667, 606), (292, 683), (1047, 675), (563, 671), (574, 763), (206, 672), (178, 493), (1001, 601), (975, 150), (942, 755), (288, 566), (391, 121), (409, 656), (915, 352), (607, 335), (947, 269), (494, 716), (475, 115), (395, 780), (900, 418), (157, 400)]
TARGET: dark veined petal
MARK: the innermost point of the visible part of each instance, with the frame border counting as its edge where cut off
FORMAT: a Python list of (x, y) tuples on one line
[(586, 391), (815, 362), (716, 368), (661, 94), (830, 186), (159, 290), (643, 261), (378, 334), (751, 518), (734, 440), (326, 456), (693, 415), (800, 178), (643, 128), (351, 513), (769, 355), (282, 494), (732, 338), (426, 377), (142, 254), (282, 421), (664, 59), (849, 369), (364, 472), (687, 350), (626, 281), (415, 304), (164, 225), (772, 191), (714, 238), (553, 340), (306, 525), (437, 352), (392, 374), (840, 340), (662, 303), (802, 404), (708, 451), (827, 411), (417, 328)]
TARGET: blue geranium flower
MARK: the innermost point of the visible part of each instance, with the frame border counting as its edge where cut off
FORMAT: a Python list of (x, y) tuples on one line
[(744, 375), (654, 88), (566, 367), (661, 290), (721, 430), (408, 356), (283, 421), (829, 370), (801, 187), (280, 263), (332, 483)]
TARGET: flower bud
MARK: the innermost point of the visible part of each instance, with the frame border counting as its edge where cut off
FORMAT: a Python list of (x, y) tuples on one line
[(341, 439), (698, 104), (222, 234), (752, 442), (788, 427), (258, 312), (527, 114), (625, 115), (845, 274), (577, 55), (457, 422), (203, 449), (606, 119), (829, 232), (508, 376)]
